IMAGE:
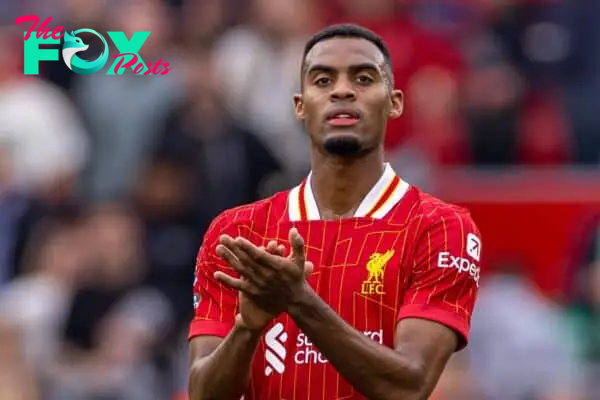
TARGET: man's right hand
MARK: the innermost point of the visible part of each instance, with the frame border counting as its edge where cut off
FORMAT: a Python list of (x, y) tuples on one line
[(220, 367), (251, 316)]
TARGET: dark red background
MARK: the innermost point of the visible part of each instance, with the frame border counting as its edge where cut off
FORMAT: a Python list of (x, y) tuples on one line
[(538, 218)]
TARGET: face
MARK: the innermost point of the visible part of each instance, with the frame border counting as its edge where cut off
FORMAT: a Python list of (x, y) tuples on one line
[(346, 99)]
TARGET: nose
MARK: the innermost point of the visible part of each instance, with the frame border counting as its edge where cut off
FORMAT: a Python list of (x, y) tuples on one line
[(343, 90)]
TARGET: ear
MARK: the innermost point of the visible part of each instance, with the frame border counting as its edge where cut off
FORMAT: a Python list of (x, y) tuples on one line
[(299, 106), (397, 104)]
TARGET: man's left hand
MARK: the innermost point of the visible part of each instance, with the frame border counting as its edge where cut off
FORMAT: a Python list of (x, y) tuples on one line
[(271, 281)]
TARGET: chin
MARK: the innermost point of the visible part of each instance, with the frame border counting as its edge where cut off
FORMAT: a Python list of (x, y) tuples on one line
[(344, 145)]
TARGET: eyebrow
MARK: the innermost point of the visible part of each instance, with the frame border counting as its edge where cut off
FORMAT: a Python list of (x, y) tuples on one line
[(328, 69)]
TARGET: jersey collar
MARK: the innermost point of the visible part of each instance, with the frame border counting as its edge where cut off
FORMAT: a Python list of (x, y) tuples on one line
[(380, 200)]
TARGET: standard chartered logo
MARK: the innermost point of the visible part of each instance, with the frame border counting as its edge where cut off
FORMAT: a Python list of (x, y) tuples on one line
[(275, 339), (305, 352)]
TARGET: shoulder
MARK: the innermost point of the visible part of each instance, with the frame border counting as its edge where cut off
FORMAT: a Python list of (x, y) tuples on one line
[(255, 216), (432, 217), (434, 209)]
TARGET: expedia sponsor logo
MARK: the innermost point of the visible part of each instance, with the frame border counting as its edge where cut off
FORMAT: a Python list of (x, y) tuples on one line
[(461, 264)]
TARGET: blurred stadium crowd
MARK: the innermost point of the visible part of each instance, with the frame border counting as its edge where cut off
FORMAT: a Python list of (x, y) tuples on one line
[(107, 183)]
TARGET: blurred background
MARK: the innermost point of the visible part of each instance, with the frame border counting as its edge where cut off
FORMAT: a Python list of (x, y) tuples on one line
[(108, 183)]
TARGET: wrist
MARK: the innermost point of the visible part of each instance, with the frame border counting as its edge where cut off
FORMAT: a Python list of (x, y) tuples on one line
[(241, 325), (303, 300)]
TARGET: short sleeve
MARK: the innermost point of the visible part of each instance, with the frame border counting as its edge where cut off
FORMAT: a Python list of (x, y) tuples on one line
[(445, 275), (215, 305)]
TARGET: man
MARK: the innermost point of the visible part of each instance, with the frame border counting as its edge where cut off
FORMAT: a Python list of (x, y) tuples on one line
[(378, 288)]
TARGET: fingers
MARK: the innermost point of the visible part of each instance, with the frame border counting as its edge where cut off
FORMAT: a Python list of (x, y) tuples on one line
[(231, 282), (275, 249), (297, 244), (272, 247), (250, 261), (263, 258), (249, 268), (238, 260), (223, 251), (309, 267)]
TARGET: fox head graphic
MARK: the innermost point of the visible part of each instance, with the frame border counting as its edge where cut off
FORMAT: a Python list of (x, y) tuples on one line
[(72, 45)]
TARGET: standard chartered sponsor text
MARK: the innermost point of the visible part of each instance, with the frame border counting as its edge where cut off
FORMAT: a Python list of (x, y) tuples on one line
[(307, 352)]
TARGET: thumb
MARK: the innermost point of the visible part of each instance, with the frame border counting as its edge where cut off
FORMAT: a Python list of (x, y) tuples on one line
[(297, 244)]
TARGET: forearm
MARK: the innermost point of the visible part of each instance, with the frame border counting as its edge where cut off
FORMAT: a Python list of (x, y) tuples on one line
[(224, 374), (374, 370)]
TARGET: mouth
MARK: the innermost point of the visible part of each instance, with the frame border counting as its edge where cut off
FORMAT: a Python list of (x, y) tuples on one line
[(343, 117)]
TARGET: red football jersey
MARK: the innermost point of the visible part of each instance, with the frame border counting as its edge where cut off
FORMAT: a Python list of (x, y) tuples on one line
[(403, 254)]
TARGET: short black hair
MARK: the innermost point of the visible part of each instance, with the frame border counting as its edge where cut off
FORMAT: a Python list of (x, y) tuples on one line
[(348, 31)]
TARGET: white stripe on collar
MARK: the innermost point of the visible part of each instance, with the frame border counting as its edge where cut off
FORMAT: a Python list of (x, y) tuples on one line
[(380, 200)]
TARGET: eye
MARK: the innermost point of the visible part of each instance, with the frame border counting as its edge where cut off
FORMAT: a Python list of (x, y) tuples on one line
[(322, 81), (364, 79)]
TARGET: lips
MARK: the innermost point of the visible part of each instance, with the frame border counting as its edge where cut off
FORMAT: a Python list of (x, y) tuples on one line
[(343, 117)]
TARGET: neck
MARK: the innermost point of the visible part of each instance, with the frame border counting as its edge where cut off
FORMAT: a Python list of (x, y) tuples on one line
[(339, 185)]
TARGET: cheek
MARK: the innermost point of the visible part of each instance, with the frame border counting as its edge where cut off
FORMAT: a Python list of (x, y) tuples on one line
[(379, 109), (313, 110), (377, 96)]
